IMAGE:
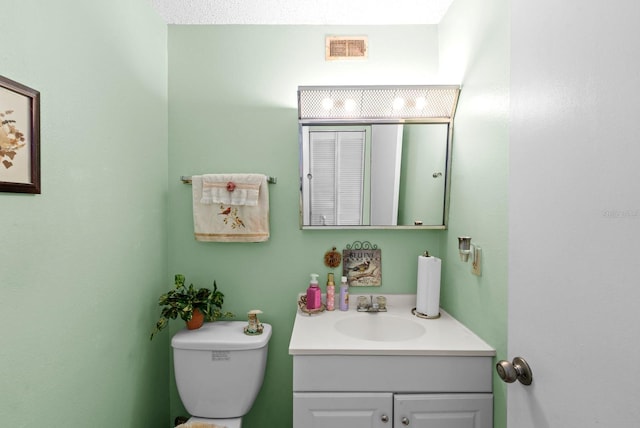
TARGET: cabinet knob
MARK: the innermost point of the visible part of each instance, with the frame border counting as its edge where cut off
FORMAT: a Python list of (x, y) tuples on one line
[(405, 421), (384, 418)]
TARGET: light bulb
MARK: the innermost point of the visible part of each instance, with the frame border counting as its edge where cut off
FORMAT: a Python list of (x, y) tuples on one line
[(398, 103), (349, 104)]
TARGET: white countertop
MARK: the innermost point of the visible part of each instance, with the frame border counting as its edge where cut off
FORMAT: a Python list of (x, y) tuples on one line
[(317, 334)]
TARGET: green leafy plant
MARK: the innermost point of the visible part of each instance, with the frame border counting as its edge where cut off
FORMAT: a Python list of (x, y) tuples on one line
[(182, 301)]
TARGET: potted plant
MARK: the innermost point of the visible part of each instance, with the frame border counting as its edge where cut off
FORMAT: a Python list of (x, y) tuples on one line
[(193, 305)]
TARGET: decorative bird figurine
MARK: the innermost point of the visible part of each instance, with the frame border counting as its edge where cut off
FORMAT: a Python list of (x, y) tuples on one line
[(361, 267), (225, 212)]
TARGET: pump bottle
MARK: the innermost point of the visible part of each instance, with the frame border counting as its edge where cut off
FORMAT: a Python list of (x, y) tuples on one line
[(314, 297)]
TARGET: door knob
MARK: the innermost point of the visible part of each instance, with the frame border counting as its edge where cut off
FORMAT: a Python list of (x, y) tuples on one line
[(518, 370)]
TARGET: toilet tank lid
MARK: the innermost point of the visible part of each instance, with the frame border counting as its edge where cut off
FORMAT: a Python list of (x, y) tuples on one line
[(220, 335)]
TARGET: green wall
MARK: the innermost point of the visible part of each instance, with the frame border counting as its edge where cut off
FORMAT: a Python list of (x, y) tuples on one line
[(474, 48), (85, 261), (232, 96), (233, 108), (82, 263)]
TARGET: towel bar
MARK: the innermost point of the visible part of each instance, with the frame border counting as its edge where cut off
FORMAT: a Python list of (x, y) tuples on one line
[(186, 179)]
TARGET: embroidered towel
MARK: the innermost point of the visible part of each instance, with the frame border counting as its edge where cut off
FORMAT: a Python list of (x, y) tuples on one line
[(231, 189), (219, 217)]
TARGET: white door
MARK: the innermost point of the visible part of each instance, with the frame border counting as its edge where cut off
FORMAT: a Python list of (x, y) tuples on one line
[(574, 213)]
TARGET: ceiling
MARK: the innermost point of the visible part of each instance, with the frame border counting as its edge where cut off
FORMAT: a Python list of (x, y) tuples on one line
[(302, 12)]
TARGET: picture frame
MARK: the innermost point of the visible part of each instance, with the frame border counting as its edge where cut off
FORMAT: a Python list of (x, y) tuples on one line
[(19, 138), (362, 264)]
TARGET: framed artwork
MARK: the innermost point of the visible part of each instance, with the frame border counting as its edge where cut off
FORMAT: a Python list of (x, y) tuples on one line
[(19, 138), (362, 264)]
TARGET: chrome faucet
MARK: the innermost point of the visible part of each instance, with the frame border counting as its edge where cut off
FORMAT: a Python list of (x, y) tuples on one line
[(379, 305)]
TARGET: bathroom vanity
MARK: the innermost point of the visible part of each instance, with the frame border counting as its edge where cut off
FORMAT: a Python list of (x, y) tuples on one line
[(389, 369)]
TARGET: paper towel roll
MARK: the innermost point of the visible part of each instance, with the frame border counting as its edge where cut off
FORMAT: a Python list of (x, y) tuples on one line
[(428, 293)]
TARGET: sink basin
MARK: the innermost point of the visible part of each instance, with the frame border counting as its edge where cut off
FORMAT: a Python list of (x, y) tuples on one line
[(379, 327)]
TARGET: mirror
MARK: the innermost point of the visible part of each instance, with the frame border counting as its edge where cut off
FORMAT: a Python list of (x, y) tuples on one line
[(374, 175)]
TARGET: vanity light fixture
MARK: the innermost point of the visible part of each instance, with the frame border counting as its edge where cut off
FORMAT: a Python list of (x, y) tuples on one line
[(466, 249), (384, 104)]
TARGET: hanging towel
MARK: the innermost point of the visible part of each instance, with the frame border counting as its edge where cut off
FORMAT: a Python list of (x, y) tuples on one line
[(221, 216)]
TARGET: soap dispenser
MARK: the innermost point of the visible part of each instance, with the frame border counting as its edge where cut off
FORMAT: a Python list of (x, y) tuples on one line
[(314, 297)]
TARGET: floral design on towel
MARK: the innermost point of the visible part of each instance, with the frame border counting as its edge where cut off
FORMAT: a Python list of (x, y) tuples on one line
[(231, 217)]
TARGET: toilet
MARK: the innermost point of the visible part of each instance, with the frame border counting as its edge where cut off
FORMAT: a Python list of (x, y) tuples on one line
[(219, 370)]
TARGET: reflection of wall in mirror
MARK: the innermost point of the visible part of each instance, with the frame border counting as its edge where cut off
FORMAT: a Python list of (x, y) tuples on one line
[(422, 193), (386, 151)]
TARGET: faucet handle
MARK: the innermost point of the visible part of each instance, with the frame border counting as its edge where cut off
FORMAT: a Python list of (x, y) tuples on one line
[(362, 302), (379, 304)]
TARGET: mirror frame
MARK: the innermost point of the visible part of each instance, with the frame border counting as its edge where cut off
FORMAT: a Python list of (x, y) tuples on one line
[(309, 115)]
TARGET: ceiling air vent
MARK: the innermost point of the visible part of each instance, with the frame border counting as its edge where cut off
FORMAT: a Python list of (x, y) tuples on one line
[(345, 47)]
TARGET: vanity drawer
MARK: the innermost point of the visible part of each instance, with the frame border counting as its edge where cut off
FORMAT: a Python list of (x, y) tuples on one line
[(402, 373)]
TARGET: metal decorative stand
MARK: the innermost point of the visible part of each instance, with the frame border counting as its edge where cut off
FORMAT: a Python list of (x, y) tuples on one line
[(362, 245)]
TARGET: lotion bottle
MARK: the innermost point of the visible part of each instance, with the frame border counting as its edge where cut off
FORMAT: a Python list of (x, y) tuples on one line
[(314, 297), (331, 293), (344, 294)]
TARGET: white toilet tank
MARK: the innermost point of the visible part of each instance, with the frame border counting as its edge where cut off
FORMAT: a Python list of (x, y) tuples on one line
[(218, 369)]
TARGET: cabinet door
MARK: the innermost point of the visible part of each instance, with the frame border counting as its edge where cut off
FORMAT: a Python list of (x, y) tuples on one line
[(443, 410), (342, 410)]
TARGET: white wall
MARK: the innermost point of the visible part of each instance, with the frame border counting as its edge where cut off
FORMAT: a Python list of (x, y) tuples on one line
[(386, 151)]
